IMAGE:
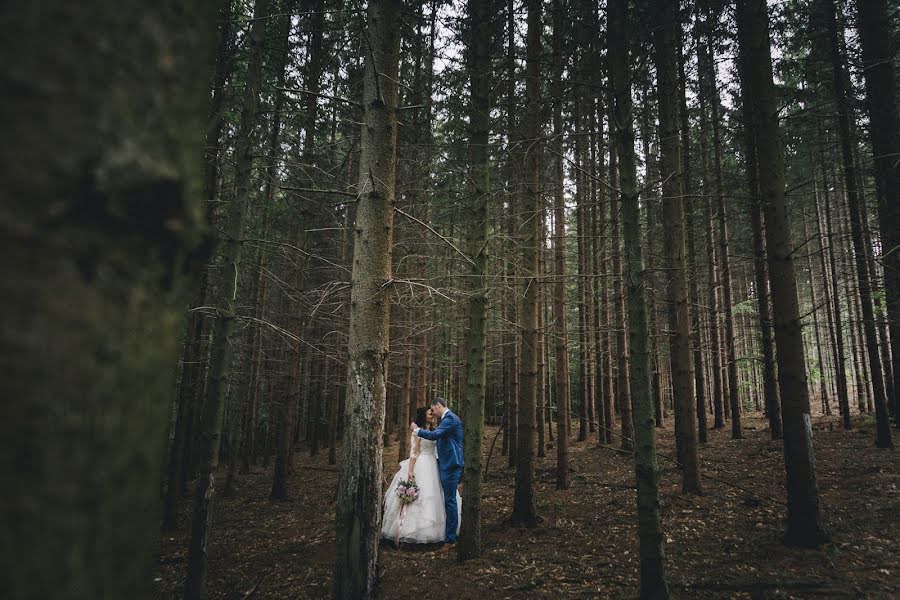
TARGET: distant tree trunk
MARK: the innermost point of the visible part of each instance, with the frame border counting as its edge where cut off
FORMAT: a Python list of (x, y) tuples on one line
[(873, 24), (511, 350), (823, 389), (618, 314), (358, 506), (584, 384), (479, 67), (652, 557), (840, 359), (220, 360), (664, 39), (712, 270), (524, 508), (836, 355), (730, 367), (561, 378), (651, 175), (771, 399), (688, 187), (191, 373), (804, 522), (882, 424), (542, 360), (100, 218)]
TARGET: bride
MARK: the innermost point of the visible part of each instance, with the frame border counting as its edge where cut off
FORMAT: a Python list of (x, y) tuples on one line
[(424, 520)]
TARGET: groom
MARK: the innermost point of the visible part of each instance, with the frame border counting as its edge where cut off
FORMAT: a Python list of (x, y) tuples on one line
[(449, 437)]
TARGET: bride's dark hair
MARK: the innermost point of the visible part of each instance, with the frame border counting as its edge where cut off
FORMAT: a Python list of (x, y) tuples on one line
[(422, 417)]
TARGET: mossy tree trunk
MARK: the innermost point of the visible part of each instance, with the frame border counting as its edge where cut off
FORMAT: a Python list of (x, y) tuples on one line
[(103, 114), (652, 557), (358, 506), (479, 66)]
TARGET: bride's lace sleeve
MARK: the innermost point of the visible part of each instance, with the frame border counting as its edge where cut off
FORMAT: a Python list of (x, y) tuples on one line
[(413, 446)]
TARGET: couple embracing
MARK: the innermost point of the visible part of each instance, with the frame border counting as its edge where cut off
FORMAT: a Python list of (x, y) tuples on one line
[(422, 505)]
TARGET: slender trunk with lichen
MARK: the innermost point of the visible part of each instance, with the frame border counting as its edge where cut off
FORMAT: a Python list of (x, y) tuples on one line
[(524, 510), (561, 337), (476, 366), (359, 494), (652, 556)]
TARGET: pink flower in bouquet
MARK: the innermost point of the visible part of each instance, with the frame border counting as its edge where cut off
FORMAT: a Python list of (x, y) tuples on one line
[(407, 491)]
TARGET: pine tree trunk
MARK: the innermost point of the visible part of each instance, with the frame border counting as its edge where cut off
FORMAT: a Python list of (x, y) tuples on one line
[(712, 269), (664, 39), (560, 317), (479, 66), (804, 523), (524, 510), (881, 102), (622, 391), (694, 294), (882, 426), (652, 557), (101, 114), (771, 399), (358, 505), (221, 354)]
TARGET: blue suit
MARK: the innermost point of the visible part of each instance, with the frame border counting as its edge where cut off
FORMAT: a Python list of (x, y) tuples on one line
[(449, 438)]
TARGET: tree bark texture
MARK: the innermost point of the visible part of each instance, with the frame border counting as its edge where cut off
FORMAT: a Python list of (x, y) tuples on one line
[(101, 212), (804, 522), (358, 505)]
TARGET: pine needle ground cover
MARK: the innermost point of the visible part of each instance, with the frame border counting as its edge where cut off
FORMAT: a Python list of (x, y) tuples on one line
[(724, 544)]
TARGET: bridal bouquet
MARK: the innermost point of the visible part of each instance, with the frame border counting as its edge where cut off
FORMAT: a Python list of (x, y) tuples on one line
[(407, 491)]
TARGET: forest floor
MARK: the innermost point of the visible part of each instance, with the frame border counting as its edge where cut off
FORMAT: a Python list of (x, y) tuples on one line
[(723, 544)]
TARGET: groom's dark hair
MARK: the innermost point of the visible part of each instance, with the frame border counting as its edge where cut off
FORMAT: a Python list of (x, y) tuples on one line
[(439, 400)]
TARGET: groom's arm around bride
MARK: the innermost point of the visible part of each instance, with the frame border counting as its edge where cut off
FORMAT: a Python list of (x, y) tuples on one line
[(448, 437)]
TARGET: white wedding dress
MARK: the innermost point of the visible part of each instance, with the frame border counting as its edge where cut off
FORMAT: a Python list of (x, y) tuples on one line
[(424, 521)]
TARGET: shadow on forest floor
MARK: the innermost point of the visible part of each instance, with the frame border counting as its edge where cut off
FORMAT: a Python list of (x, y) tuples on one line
[(724, 544)]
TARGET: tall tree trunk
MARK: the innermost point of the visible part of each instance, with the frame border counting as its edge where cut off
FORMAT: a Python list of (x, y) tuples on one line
[(712, 269), (804, 522), (836, 354), (688, 188), (882, 425), (191, 373), (618, 314), (300, 239), (771, 399), (584, 385), (479, 66), (840, 359), (724, 260), (652, 556), (358, 506), (664, 39), (101, 211), (524, 508), (881, 102), (560, 317), (823, 389), (220, 360)]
